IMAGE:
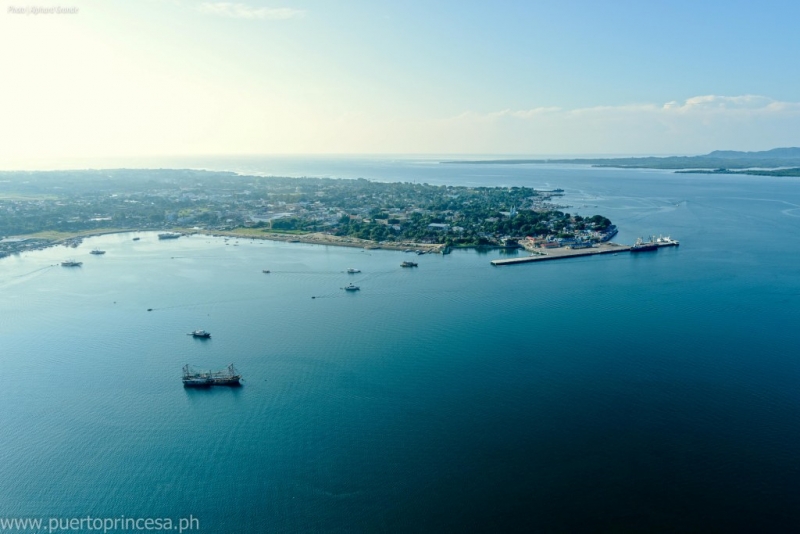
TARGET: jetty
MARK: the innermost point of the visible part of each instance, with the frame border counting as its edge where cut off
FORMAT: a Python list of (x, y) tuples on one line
[(560, 253)]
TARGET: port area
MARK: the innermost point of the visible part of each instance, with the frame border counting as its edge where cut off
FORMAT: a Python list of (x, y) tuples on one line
[(560, 253)]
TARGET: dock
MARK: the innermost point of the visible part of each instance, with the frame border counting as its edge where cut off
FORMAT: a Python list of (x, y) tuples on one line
[(561, 253)]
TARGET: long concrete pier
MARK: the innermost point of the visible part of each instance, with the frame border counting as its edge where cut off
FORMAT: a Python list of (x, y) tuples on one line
[(563, 253)]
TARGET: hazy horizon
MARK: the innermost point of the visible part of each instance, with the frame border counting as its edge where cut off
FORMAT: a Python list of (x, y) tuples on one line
[(196, 160)]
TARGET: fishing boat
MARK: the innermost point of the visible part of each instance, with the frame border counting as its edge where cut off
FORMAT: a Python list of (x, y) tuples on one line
[(193, 378), (352, 287), (353, 271)]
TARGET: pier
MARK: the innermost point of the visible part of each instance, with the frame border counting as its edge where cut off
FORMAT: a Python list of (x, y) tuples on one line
[(540, 254)]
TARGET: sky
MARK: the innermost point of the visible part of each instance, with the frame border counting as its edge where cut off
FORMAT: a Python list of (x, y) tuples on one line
[(141, 78)]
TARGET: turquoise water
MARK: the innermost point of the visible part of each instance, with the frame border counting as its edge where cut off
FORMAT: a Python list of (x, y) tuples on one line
[(655, 392)]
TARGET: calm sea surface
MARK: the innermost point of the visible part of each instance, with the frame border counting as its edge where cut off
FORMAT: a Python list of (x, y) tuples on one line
[(651, 393)]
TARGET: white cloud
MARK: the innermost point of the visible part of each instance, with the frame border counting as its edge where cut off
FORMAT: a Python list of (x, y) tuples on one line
[(698, 124), (243, 11), (724, 103)]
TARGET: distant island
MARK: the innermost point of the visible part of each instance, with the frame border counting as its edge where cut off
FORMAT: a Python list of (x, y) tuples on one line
[(775, 162), (39, 209)]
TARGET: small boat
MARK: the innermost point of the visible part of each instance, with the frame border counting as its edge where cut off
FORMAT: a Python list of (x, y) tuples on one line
[(353, 271), (200, 334), (136, 238), (265, 271), (352, 287), (408, 264), (71, 263), (97, 252), (169, 235)]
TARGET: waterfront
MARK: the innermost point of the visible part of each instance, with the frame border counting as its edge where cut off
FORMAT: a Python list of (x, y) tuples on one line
[(611, 393)]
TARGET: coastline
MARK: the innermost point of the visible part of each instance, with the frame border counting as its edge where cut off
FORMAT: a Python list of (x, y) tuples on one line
[(320, 238), (39, 242)]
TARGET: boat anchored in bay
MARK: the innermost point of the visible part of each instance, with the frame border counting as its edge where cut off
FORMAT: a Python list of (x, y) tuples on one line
[(200, 333), (193, 378)]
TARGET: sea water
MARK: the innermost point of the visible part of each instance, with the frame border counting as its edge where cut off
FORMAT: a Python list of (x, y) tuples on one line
[(617, 393)]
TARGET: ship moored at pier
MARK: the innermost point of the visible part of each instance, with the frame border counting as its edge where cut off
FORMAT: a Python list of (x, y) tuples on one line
[(667, 241), (193, 378), (653, 243), (644, 246)]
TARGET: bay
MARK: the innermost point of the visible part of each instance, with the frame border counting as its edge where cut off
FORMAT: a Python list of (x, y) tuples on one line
[(650, 392)]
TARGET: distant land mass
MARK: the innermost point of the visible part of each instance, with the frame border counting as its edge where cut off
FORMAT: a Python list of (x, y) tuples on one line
[(718, 161), (793, 171)]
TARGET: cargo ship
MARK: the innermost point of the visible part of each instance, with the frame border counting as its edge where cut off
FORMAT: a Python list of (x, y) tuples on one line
[(644, 246), (201, 379)]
